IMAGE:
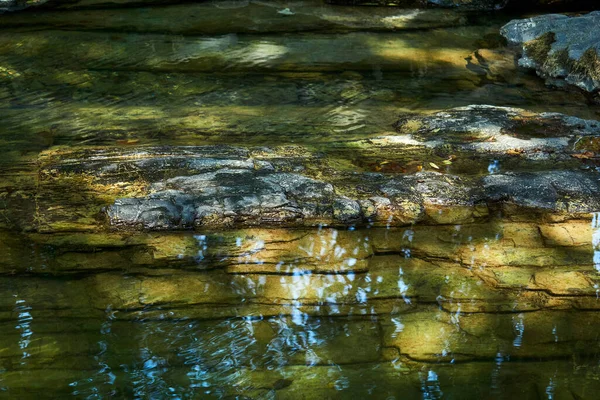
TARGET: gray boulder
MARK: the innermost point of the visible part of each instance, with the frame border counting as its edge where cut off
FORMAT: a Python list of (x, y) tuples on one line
[(560, 48)]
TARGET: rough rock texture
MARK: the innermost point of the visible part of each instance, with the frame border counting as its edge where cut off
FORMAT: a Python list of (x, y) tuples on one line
[(476, 140), (486, 121), (455, 166), (498, 130), (557, 191), (560, 47), (246, 197), (230, 197)]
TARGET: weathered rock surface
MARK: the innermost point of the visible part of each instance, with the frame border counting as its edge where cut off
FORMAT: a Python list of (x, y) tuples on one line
[(560, 47), (247, 196), (484, 139), (445, 168)]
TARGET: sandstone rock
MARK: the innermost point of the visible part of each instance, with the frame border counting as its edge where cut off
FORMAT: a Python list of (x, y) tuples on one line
[(560, 47), (572, 233), (442, 337)]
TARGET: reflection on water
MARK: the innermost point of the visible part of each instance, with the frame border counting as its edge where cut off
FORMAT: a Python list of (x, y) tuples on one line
[(596, 240), (24, 319), (433, 312)]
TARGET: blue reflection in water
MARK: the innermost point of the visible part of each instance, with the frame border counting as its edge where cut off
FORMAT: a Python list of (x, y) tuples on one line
[(495, 385), (596, 240), (430, 386), (519, 327), (494, 167), (102, 382), (24, 319)]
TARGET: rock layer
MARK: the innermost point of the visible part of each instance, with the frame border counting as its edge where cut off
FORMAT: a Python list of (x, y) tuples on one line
[(451, 167)]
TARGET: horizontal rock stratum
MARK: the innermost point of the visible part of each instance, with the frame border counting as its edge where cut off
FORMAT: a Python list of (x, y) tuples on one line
[(491, 159)]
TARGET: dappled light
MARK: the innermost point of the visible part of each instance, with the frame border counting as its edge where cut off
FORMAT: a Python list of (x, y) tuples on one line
[(310, 199)]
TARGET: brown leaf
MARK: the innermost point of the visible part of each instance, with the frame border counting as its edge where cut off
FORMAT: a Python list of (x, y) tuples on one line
[(583, 156), (127, 142), (514, 152)]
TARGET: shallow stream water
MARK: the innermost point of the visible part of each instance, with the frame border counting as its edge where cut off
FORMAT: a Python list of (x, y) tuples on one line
[(507, 309)]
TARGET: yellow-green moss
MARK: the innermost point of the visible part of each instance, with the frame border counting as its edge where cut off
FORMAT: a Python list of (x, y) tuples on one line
[(588, 64), (538, 49)]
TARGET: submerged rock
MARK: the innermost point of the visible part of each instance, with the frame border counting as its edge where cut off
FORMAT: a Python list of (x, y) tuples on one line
[(208, 17), (560, 47), (488, 129)]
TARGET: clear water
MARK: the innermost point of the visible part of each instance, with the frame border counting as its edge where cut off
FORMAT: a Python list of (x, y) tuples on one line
[(508, 309)]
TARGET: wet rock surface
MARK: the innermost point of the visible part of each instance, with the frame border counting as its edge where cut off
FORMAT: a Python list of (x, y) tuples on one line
[(500, 131), (560, 48)]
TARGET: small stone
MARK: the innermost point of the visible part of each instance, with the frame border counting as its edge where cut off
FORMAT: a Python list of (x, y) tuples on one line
[(346, 210)]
